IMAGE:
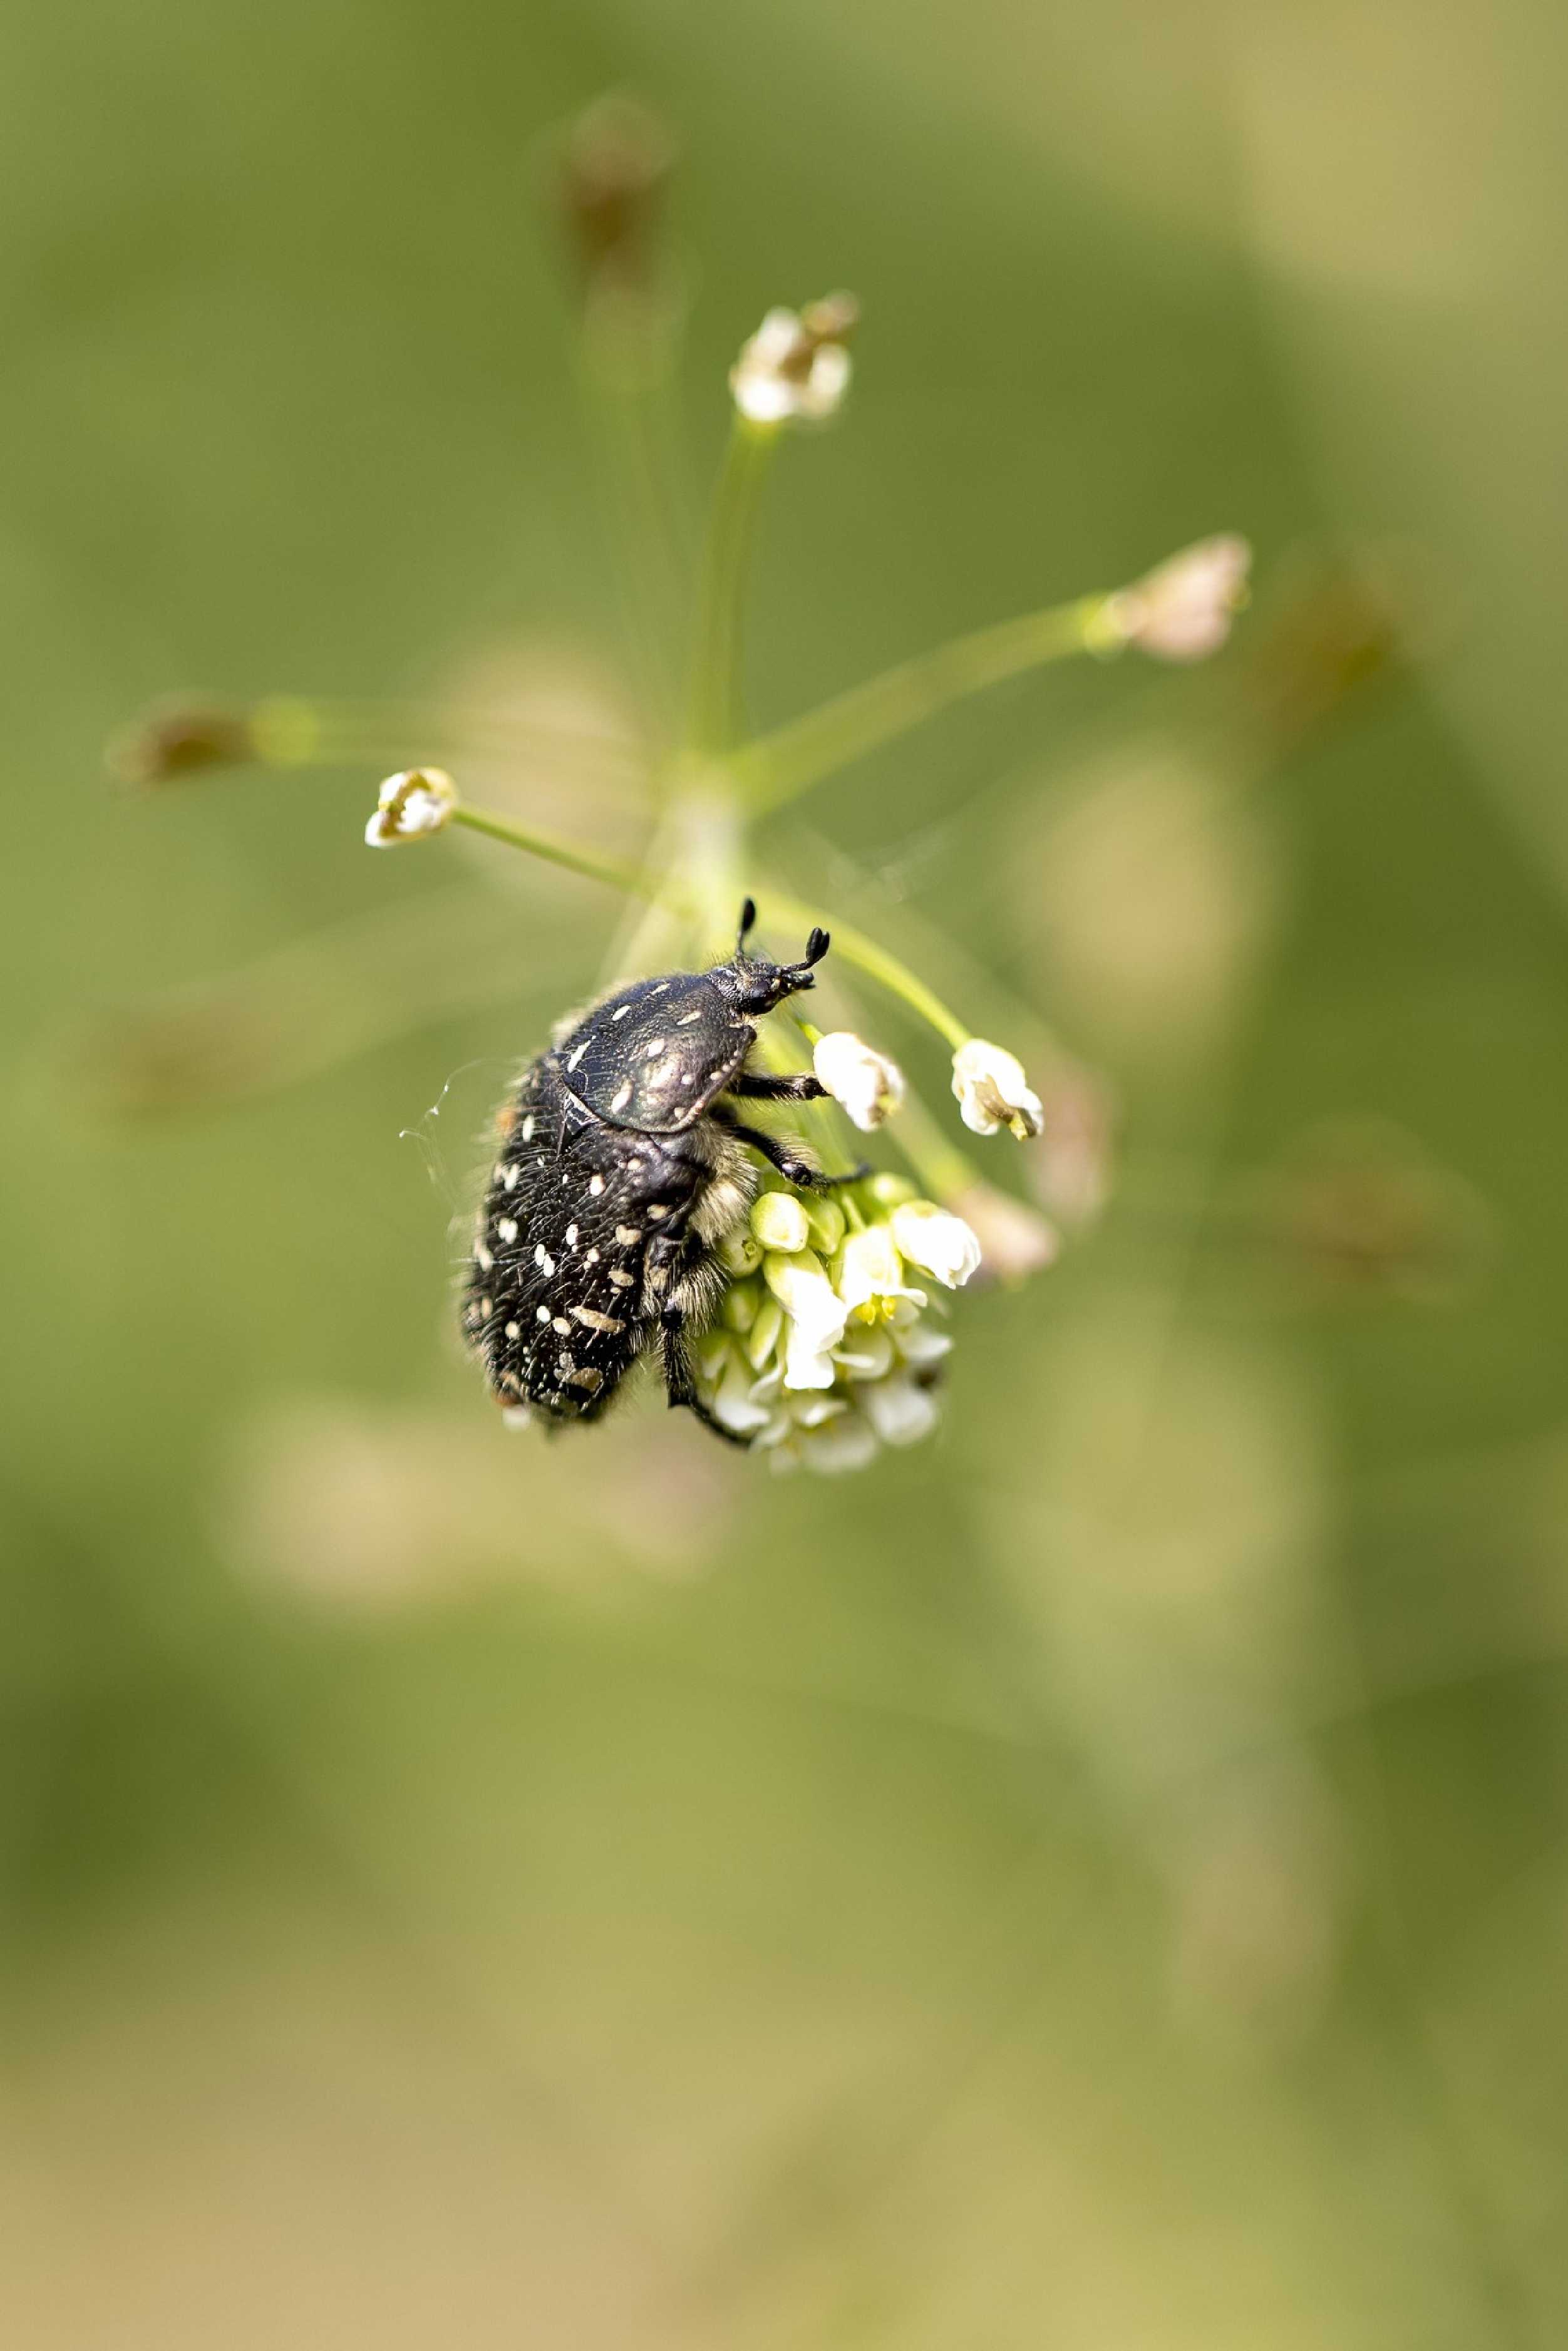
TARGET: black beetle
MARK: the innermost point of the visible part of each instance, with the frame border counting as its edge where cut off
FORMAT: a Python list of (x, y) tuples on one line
[(623, 1165)]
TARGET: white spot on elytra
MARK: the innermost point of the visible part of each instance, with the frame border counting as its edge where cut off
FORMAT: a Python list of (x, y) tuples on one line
[(483, 1257), (622, 1280), (595, 1321), (509, 1176), (627, 1234), (651, 1052), (486, 1308), (620, 1012), (595, 1186), (513, 1329), (507, 1229), (543, 1260), (572, 1236), (578, 1055), (687, 1018), (657, 1215), (527, 1129), (623, 1094), (541, 1314), (559, 1323), (592, 1256)]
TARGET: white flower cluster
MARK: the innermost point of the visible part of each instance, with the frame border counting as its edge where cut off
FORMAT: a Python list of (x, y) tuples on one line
[(823, 1349)]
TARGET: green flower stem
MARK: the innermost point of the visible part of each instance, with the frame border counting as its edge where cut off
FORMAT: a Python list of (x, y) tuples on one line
[(875, 961), (291, 731), (715, 676), (626, 359), (556, 852), (776, 767), (852, 945)]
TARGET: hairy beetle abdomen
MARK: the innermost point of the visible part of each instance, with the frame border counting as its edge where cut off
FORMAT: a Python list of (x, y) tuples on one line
[(558, 1300)]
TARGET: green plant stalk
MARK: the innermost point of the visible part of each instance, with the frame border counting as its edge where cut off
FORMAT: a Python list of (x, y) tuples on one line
[(873, 960), (639, 882), (716, 671), (610, 870), (776, 767)]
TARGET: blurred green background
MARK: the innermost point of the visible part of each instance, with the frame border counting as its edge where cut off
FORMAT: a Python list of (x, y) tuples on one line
[(1099, 1880)]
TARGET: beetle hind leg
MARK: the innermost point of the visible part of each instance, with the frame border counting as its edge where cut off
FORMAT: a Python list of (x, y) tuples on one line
[(680, 1386)]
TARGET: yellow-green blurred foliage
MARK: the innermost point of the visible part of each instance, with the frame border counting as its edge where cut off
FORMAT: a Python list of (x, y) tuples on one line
[(1100, 1881)]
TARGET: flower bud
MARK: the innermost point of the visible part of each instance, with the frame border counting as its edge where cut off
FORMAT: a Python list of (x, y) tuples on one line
[(418, 801), (1182, 611), (181, 739), (992, 1091), (740, 1252), (937, 1241), (826, 1220), (779, 1221), (864, 1082)]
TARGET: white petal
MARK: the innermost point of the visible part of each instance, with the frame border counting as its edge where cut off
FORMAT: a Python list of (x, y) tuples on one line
[(848, 1444), (937, 1241), (900, 1412)]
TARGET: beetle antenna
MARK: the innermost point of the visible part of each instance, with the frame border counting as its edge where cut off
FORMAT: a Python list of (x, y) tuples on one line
[(816, 947), (748, 919)]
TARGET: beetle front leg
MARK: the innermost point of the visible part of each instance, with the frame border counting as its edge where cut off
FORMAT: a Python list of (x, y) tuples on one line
[(790, 1164), (759, 1086)]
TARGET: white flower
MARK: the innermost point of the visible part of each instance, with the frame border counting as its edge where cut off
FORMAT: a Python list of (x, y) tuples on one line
[(795, 366), (870, 1270), (863, 1082), (1182, 611), (900, 1411), (938, 1242), (993, 1092), (779, 1221), (816, 1317), (417, 800), (843, 1444), (1014, 1240)]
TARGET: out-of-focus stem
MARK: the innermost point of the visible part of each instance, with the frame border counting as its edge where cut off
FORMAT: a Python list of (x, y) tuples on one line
[(776, 767), (716, 671)]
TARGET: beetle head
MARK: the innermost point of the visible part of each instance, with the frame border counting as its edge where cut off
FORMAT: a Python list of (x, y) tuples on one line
[(755, 984)]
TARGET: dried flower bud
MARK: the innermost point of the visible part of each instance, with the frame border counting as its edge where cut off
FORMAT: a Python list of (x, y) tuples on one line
[(416, 801), (795, 366), (992, 1091), (1014, 1240), (181, 739), (864, 1082), (1182, 611), (615, 168)]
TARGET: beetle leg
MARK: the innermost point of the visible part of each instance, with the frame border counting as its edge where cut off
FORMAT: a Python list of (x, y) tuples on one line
[(679, 1386), (758, 1086), (790, 1164)]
